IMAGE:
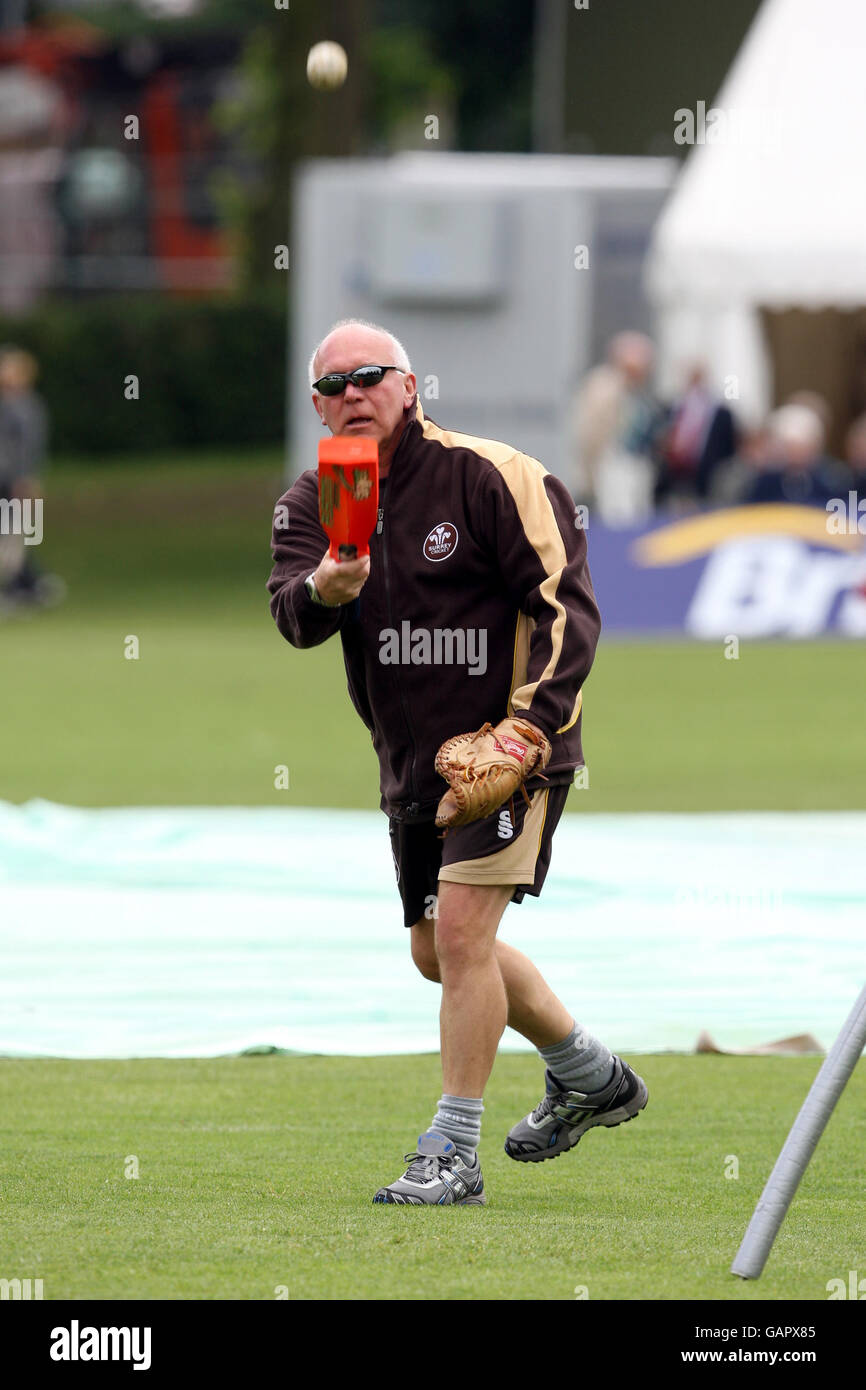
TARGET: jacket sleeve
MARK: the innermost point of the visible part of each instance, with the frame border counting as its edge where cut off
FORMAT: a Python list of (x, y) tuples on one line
[(543, 563), (298, 543)]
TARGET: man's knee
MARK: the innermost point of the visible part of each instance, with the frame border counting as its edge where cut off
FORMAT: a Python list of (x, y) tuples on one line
[(467, 923), (458, 945)]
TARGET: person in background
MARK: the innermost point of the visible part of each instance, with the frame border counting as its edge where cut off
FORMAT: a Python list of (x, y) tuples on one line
[(23, 440), (615, 419), (855, 456), (732, 479), (815, 401), (796, 468), (700, 434)]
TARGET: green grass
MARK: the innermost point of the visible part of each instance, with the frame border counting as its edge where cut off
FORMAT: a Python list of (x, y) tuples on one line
[(175, 552), (247, 1181)]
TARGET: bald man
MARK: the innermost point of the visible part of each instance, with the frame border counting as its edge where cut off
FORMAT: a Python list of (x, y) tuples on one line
[(478, 537)]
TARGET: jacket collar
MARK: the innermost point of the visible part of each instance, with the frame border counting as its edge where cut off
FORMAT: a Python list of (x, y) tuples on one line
[(412, 430)]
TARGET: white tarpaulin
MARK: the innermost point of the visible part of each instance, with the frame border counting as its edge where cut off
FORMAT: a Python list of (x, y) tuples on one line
[(198, 931)]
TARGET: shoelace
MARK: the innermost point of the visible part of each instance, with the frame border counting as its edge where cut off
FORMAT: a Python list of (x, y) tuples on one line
[(547, 1103), (423, 1166), (543, 1109)]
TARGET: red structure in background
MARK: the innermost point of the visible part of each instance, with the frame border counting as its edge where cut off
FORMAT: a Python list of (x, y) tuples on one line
[(54, 49), (171, 136), (171, 237)]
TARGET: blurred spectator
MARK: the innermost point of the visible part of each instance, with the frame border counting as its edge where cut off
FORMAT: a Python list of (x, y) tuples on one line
[(796, 468), (731, 481), (815, 401), (23, 438), (699, 435), (615, 419), (855, 454)]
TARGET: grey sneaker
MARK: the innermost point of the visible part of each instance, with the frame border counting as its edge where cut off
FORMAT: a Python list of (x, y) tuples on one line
[(436, 1176), (563, 1117)]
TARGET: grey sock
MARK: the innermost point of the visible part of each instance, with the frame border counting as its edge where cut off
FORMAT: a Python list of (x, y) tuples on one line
[(580, 1062), (459, 1118)]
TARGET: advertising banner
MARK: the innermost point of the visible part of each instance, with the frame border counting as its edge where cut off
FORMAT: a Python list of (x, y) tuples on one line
[(773, 570)]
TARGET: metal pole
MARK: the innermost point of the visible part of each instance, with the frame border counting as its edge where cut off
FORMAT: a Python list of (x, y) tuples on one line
[(548, 78), (801, 1143)]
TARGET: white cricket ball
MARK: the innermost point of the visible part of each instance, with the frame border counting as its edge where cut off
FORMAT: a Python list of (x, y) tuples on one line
[(327, 65)]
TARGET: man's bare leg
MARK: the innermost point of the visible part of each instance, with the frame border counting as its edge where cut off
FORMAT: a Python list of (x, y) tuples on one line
[(534, 1010), (486, 984), (580, 1062), (474, 1003)]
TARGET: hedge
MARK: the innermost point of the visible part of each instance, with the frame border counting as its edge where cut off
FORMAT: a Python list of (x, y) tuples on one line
[(210, 371)]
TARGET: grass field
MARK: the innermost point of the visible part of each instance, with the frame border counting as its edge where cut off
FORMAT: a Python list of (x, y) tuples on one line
[(250, 1179), (250, 1176)]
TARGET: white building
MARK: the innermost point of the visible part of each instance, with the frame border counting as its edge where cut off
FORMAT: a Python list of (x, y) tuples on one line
[(503, 275)]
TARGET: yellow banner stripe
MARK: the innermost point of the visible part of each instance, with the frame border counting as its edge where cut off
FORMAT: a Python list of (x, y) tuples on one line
[(697, 535)]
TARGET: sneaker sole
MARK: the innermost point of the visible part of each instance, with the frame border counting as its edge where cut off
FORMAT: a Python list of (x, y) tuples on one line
[(610, 1120), (475, 1200)]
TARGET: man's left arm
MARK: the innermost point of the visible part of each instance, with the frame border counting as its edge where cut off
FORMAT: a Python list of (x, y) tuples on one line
[(543, 561)]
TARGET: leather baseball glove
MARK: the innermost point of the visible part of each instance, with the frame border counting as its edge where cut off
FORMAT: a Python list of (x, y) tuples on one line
[(484, 770)]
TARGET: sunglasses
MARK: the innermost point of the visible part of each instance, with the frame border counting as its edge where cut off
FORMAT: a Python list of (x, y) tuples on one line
[(335, 382)]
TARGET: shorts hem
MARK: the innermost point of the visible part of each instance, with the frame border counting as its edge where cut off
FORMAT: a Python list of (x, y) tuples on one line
[(493, 876)]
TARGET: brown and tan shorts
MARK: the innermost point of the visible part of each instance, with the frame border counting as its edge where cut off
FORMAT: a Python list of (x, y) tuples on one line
[(490, 851)]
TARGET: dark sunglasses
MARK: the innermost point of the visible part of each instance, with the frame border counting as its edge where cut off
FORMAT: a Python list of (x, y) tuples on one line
[(335, 382)]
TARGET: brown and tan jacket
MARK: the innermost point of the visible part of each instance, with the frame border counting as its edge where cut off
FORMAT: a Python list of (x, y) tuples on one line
[(479, 604)]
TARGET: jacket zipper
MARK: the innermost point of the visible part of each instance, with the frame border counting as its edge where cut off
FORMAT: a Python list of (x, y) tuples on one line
[(413, 807)]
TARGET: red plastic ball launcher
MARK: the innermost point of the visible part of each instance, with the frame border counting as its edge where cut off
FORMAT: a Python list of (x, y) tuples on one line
[(348, 494)]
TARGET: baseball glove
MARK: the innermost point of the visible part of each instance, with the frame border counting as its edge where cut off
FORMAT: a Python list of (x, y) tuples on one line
[(483, 770)]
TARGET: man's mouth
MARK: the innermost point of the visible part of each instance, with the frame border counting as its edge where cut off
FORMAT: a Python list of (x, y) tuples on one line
[(359, 420)]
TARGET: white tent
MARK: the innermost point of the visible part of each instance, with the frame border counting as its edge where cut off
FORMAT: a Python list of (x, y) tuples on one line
[(770, 209)]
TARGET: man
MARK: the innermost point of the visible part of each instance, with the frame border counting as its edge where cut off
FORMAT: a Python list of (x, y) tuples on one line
[(23, 437), (700, 435), (476, 537), (855, 455), (796, 468), (614, 419)]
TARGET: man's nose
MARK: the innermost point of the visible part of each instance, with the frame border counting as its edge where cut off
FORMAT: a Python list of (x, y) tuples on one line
[(353, 392)]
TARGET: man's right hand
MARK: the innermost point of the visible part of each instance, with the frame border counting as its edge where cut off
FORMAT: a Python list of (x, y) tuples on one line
[(341, 581)]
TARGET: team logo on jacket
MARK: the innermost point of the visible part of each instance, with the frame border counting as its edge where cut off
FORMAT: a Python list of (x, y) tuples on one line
[(441, 542)]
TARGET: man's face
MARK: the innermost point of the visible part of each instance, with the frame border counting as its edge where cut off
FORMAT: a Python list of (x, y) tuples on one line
[(375, 412)]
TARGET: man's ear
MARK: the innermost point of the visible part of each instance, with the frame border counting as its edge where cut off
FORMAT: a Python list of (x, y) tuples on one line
[(317, 404), (410, 391)]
